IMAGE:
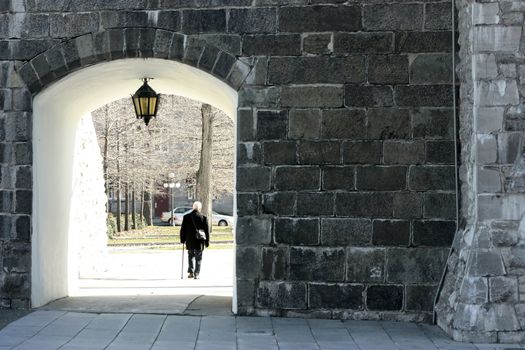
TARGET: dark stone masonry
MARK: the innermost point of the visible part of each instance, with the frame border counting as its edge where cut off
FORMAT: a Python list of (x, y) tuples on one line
[(346, 187)]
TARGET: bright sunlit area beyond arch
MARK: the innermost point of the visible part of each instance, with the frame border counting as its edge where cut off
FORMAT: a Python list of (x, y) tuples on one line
[(61, 133)]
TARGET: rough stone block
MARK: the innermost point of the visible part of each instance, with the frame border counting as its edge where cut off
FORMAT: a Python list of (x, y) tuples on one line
[(18, 127), (275, 263), (486, 149), (415, 265), (336, 296), (318, 44), (345, 232), (315, 204), (248, 262), (381, 178), (384, 298), (252, 20), (247, 204), (316, 70), (130, 19), (368, 96), (391, 233), (485, 65), (473, 290), (489, 181), (431, 69), (208, 58), (436, 177), (297, 178), (365, 265), (259, 96), (363, 43), (253, 230), (433, 123), (404, 152), (388, 123), (312, 96), (281, 295), (388, 69), (424, 95), (338, 178), (15, 285), (297, 231), (509, 147), (393, 17), (485, 13), (497, 93), (420, 298), (438, 16), (440, 152), (249, 153), (69, 25), (279, 203), (24, 177), (343, 124), (319, 152), (23, 153), (304, 124), (440, 205), (434, 233), (366, 205), (43, 70), (317, 264), (230, 43), (177, 49), (272, 125), (25, 49), (280, 153), (245, 125), (245, 293), (132, 48), (319, 19), (224, 65), (421, 42), (204, 21), (485, 263), (23, 228), (30, 78), (23, 201), (272, 45), (497, 38), (6, 201), (56, 61), (503, 289), (253, 178)]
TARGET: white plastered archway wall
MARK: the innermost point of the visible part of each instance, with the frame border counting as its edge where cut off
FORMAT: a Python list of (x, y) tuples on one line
[(57, 112)]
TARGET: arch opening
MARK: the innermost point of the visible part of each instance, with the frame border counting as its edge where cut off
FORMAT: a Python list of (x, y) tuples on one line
[(58, 112)]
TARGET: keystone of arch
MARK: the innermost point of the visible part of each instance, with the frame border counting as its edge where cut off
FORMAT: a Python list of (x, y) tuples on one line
[(113, 44)]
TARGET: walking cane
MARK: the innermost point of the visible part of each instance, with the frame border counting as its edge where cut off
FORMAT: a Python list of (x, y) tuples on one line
[(182, 263)]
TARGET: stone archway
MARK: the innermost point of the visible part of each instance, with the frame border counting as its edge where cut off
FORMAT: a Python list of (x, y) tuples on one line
[(65, 90)]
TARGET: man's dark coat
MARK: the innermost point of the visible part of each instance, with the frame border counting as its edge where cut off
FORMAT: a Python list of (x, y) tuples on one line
[(188, 230)]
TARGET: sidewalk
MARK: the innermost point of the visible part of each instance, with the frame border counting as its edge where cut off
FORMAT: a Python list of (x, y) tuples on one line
[(43, 330)]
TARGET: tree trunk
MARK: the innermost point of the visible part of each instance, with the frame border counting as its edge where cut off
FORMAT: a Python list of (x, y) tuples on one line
[(105, 165), (147, 211), (119, 209), (133, 208), (126, 208), (204, 174)]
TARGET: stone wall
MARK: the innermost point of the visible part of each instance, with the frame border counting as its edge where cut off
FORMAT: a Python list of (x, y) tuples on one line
[(482, 298), (345, 176)]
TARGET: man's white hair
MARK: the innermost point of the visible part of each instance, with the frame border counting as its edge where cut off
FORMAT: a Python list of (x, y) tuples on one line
[(197, 206)]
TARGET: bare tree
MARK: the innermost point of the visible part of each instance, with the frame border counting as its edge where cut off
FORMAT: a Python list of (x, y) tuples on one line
[(204, 174)]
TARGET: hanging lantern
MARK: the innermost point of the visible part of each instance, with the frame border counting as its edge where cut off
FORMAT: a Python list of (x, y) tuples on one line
[(146, 102)]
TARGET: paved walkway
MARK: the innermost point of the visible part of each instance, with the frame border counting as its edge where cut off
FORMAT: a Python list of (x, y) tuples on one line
[(43, 330)]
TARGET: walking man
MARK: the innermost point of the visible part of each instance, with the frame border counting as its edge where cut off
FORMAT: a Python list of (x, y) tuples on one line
[(191, 234)]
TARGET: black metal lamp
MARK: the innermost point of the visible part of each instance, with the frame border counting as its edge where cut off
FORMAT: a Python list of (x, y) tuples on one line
[(146, 102)]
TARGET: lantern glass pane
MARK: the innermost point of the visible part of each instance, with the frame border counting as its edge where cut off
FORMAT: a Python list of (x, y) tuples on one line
[(136, 104), (152, 104), (143, 106)]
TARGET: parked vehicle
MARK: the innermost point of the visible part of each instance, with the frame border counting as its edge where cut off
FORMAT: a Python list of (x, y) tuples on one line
[(179, 212)]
